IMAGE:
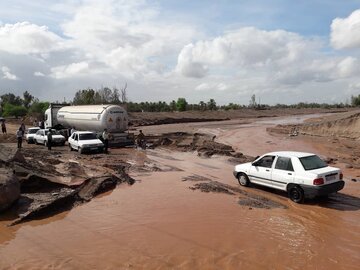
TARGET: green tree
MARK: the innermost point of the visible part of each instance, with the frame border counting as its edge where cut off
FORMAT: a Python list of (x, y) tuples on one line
[(252, 103), (28, 98), (14, 110), (173, 105), (181, 104), (202, 106), (38, 108), (355, 101), (212, 105), (11, 99)]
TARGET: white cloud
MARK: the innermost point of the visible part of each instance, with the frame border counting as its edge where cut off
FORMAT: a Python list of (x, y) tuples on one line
[(212, 87), (38, 74), (203, 87), (127, 36), (72, 70), (27, 38), (8, 75), (345, 33), (248, 48)]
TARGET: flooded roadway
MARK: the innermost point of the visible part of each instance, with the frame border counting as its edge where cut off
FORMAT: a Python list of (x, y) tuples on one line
[(160, 223)]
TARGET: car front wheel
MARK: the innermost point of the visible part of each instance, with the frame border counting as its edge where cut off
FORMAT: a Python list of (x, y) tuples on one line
[(296, 194), (80, 150), (243, 180)]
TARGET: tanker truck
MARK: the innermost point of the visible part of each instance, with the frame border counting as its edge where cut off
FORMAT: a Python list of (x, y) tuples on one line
[(91, 118)]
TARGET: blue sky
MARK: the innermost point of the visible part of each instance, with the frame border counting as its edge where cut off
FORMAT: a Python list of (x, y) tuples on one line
[(282, 51)]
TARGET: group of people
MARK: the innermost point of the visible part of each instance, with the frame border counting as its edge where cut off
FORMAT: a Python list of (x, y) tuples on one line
[(39, 124)]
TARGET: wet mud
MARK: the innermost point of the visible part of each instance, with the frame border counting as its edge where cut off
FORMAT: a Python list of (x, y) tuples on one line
[(245, 198), (165, 221)]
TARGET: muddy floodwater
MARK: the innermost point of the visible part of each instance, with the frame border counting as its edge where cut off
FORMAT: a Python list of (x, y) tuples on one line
[(192, 214)]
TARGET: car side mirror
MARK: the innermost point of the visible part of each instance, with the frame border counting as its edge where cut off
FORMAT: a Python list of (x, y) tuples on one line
[(254, 163)]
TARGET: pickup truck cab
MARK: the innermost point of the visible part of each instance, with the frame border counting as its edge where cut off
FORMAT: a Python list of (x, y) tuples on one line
[(85, 141), (301, 175)]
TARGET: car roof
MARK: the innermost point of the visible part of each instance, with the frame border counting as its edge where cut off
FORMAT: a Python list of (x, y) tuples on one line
[(84, 132), (291, 154)]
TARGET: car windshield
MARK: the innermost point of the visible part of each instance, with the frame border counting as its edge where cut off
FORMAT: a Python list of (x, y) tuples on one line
[(87, 136), (53, 131), (32, 131), (312, 163)]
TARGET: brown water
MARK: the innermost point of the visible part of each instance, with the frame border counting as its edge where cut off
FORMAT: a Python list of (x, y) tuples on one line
[(159, 223)]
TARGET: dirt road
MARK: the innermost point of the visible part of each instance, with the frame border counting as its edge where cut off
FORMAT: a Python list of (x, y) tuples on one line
[(165, 221)]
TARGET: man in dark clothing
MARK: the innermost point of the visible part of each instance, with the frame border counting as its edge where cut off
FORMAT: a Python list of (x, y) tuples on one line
[(3, 127), (49, 139), (140, 140)]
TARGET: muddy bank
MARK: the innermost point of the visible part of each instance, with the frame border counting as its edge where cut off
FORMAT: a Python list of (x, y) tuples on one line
[(336, 136), (50, 184), (204, 144), (245, 198), (160, 118)]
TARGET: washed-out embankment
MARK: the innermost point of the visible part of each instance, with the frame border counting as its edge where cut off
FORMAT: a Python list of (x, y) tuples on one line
[(37, 183)]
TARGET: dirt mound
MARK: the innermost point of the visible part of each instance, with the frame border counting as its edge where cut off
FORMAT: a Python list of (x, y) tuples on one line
[(348, 127), (345, 127), (245, 198), (50, 182), (204, 144)]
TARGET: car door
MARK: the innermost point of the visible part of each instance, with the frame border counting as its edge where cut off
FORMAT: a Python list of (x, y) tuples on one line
[(76, 141), (71, 140), (261, 171), (283, 172), (42, 136)]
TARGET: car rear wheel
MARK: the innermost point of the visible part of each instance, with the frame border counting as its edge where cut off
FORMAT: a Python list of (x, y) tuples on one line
[(296, 194), (243, 180)]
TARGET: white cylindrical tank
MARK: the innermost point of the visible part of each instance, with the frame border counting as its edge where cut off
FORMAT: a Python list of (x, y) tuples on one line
[(94, 117)]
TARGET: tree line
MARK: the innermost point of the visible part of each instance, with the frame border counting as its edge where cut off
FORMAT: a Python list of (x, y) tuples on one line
[(19, 106), (27, 104)]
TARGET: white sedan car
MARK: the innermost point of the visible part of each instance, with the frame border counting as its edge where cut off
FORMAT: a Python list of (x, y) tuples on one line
[(30, 133), (299, 174), (85, 141), (41, 137)]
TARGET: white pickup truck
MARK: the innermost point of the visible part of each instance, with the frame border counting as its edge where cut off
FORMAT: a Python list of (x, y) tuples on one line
[(301, 175)]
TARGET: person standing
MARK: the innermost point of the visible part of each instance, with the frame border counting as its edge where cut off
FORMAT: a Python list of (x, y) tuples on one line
[(19, 136), (35, 124), (3, 127), (49, 139), (23, 128), (106, 136), (72, 130), (140, 140)]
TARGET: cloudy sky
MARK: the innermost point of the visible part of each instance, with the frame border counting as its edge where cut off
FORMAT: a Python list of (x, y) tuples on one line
[(280, 50)]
